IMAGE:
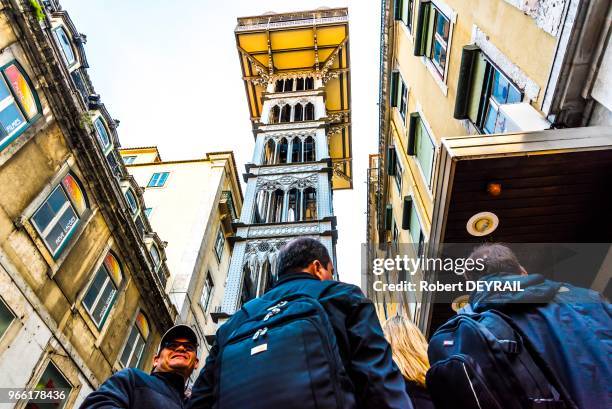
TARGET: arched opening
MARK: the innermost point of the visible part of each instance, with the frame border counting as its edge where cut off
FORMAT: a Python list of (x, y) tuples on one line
[(299, 86), (309, 149), (294, 205), (261, 206), (283, 148), (309, 83), (264, 279), (269, 152), (288, 84), (309, 114), (275, 210), (310, 204), (296, 150), (274, 114), (298, 113), (279, 86), (286, 113), (248, 287)]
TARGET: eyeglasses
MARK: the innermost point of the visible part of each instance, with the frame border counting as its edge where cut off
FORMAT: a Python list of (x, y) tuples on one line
[(187, 346)]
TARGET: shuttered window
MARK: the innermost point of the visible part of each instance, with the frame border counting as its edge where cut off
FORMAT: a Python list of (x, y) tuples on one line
[(421, 146)]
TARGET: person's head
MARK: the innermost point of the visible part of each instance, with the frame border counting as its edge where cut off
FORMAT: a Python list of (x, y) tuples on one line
[(178, 352), (409, 348), (497, 259), (306, 255)]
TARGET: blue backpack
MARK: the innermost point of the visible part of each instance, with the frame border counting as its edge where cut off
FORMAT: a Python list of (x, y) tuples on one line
[(283, 355), (483, 361)]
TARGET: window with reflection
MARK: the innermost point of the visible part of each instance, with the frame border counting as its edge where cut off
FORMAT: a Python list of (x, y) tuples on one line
[(283, 149), (309, 149), (286, 113), (65, 46), (100, 296), (310, 204), (298, 113), (309, 112), (296, 150)]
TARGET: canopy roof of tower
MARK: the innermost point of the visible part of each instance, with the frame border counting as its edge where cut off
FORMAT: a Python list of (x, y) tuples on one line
[(271, 46)]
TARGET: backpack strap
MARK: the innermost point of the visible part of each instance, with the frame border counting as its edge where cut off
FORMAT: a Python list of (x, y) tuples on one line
[(560, 397)]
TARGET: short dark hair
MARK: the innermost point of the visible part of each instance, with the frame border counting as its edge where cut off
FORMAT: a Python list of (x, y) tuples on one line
[(299, 253), (496, 258)]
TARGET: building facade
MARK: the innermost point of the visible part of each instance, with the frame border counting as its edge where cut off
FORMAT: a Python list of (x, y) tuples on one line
[(81, 295), (296, 75), (197, 229), (450, 68)]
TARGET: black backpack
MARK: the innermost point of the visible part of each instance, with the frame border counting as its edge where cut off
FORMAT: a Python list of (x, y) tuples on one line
[(284, 355), (482, 361)]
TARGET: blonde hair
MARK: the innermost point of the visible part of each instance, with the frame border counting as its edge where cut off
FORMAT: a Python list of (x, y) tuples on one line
[(409, 348)]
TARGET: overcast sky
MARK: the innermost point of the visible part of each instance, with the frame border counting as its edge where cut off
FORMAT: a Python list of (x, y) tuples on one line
[(169, 71)]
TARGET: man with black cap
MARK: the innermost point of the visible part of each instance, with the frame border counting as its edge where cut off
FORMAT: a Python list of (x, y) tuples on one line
[(164, 388)]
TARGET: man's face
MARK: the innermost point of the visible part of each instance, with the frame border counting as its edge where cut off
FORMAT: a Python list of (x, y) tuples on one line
[(317, 269), (179, 355)]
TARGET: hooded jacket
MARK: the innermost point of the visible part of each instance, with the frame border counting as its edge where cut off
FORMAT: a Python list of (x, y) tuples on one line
[(376, 380), (571, 328), (134, 389)]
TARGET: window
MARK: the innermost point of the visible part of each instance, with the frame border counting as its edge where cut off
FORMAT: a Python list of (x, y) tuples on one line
[(399, 94), (398, 174), (102, 134), (79, 83), (137, 339), (158, 179), (56, 219), (219, 244), (100, 296), (310, 204), (114, 164), (139, 225), (309, 112), (207, 292), (64, 42), (6, 317), (148, 211), (155, 256), (404, 10), (395, 237), (51, 378), (433, 36), (481, 89), (18, 103), (131, 200), (309, 149), (128, 160), (286, 113), (421, 146), (411, 222)]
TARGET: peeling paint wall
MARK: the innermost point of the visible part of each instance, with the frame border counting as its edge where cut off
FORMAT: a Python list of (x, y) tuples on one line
[(546, 13)]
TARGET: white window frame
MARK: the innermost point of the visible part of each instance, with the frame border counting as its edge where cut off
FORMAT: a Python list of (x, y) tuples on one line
[(205, 304), (154, 182), (133, 327), (220, 238), (61, 47), (430, 133), (108, 280)]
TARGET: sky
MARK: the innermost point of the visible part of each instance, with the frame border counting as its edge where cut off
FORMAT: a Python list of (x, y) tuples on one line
[(170, 72)]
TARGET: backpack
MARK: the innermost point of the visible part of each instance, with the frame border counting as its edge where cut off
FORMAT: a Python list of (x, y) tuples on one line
[(284, 355), (482, 361)]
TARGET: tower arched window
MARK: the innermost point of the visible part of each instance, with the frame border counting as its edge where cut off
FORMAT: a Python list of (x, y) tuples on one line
[(269, 149), (283, 148), (286, 113), (298, 113), (309, 112), (288, 85), (279, 86), (309, 149), (296, 150), (294, 205), (309, 83), (275, 211), (274, 114), (261, 206), (310, 204), (299, 86)]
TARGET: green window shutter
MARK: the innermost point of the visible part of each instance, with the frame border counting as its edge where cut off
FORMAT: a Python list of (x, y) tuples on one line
[(399, 6), (391, 158), (412, 130), (422, 27), (388, 217), (406, 212), (431, 19), (464, 84), (395, 81), (477, 86)]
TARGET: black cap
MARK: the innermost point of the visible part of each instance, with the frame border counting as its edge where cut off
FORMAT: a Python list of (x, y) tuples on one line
[(179, 331)]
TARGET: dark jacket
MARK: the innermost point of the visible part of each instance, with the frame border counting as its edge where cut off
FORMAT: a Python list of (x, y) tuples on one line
[(419, 396), (133, 388), (376, 381), (571, 328)]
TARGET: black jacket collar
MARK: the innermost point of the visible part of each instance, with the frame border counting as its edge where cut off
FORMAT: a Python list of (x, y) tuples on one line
[(173, 380), (298, 275)]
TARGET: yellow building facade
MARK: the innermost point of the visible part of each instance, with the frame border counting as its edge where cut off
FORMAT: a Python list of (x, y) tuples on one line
[(197, 229), (454, 67), (81, 295)]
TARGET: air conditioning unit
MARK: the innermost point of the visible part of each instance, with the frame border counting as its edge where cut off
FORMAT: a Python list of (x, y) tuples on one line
[(522, 117)]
